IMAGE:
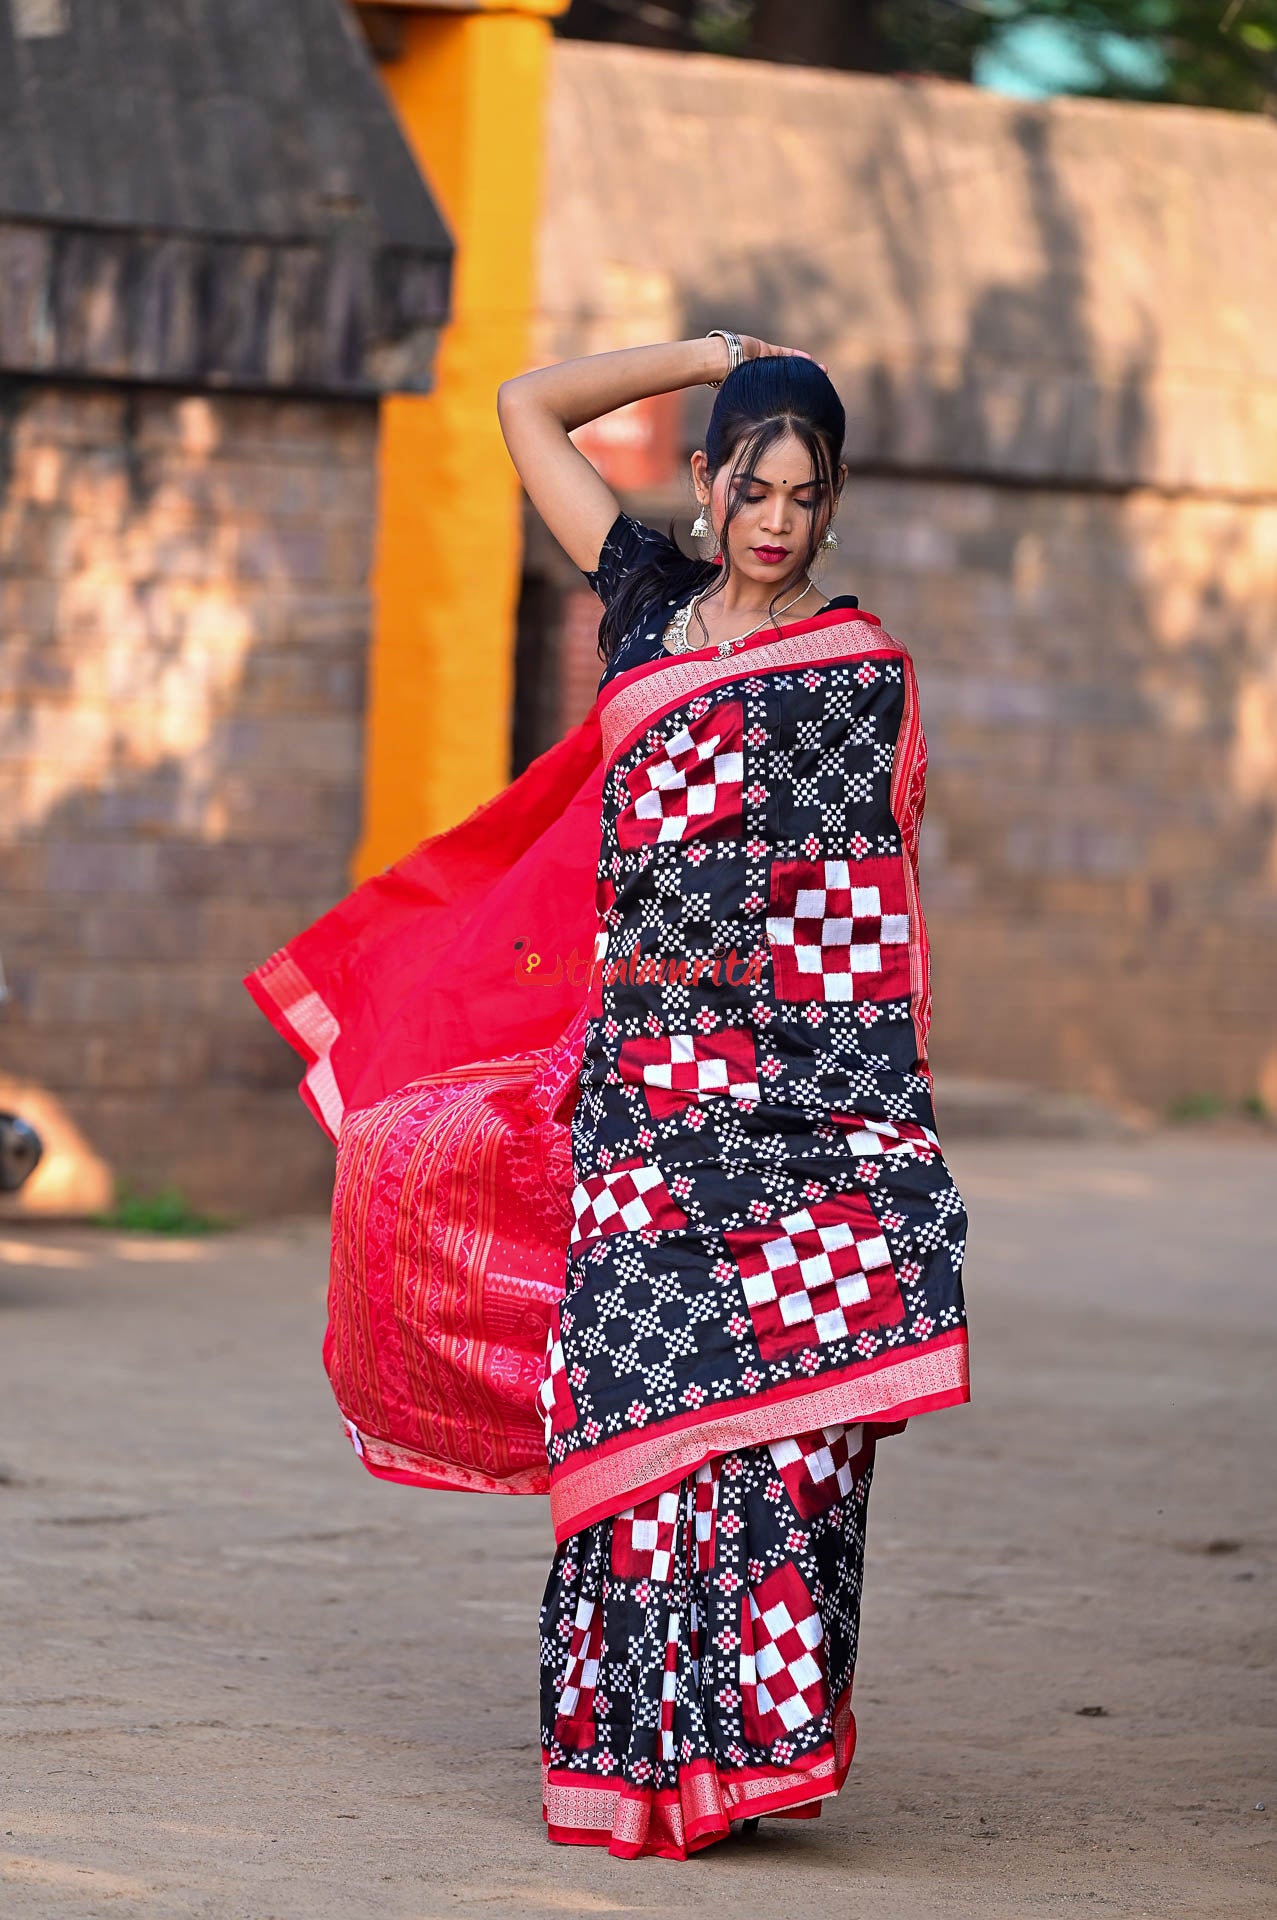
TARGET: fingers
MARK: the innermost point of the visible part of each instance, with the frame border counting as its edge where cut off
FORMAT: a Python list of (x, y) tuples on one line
[(767, 350)]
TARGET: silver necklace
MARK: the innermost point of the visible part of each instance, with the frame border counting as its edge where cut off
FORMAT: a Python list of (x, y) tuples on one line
[(675, 640)]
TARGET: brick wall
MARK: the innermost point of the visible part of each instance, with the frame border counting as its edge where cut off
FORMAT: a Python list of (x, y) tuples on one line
[(184, 604), (1051, 324), (1098, 678)]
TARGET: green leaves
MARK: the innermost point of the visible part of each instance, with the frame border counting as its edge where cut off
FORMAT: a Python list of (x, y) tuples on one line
[(1198, 53)]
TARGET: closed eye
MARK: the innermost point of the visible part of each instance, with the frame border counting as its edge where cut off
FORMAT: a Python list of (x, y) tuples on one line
[(756, 500)]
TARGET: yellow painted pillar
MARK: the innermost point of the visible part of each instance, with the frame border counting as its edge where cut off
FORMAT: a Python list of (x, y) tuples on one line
[(468, 87)]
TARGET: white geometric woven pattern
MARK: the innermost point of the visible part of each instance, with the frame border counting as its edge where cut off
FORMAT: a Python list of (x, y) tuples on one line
[(815, 1275), (691, 784), (816, 1467), (574, 1721), (630, 1196), (643, 1539), (782, 1676), (838, 933)]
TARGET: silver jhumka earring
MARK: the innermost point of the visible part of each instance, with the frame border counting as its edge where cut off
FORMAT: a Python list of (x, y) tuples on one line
[(704, 535), (830, 542)]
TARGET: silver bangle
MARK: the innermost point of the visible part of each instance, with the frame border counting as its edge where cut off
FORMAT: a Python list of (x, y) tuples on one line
[(735, 352)]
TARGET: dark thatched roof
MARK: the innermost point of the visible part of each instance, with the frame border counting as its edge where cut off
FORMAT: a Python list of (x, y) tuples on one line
[(212, 192)]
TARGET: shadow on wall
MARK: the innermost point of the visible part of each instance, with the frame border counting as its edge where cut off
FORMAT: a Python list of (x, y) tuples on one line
[(1098, 665), (186, 614)]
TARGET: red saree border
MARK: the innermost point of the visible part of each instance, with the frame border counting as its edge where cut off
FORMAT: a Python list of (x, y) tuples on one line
[(640, 1465), (414, 1467), (906, 799), (635, 699), (786, 631), (902, 796), (671, 1822), (287, 998)]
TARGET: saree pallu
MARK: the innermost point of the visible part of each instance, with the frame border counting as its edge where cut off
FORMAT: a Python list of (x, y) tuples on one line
[(765, 1239)]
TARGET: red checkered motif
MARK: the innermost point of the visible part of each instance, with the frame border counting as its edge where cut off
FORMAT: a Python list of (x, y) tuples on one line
[(691, 785), (554, 1396), (643, 1538), (678, 1068), (631, 1195), (669, 1686), (782, 1659), (706, 1515), (839, 932), (888, 1136), (818, 1468), (816, 1275), (574, 1720)]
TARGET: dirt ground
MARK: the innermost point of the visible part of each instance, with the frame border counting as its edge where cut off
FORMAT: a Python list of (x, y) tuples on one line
[(243, 1679)]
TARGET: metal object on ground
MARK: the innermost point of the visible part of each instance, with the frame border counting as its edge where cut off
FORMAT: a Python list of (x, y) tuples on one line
[(20, 1151)]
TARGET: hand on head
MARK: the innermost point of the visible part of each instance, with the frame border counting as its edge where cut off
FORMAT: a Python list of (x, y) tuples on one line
[(756, 349)]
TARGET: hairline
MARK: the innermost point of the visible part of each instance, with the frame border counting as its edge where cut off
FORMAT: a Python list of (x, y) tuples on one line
[(785, 423)]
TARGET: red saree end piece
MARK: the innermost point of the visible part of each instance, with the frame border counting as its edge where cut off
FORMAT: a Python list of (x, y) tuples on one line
[(450, 1223), (475, 945)]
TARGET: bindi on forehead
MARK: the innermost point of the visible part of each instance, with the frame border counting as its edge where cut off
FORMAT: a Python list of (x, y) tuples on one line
[(766, 480)]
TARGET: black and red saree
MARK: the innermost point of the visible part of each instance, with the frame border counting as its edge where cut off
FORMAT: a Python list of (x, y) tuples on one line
[(629, 1079)]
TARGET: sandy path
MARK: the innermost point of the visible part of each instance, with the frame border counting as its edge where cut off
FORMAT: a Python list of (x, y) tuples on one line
[(241, 1678)]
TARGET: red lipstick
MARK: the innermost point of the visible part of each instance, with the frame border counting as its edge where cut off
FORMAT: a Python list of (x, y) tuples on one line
[(771, 556)]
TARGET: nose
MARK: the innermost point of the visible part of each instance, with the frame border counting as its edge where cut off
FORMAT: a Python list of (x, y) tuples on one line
[(778, 513)]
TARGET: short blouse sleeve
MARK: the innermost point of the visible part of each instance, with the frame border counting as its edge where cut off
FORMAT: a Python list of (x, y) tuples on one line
[(629, 544)]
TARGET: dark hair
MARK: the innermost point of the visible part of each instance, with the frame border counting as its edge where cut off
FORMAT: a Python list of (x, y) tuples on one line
[(757, 405)]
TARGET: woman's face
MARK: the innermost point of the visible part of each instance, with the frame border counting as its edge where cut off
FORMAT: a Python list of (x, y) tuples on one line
[(781, 510)]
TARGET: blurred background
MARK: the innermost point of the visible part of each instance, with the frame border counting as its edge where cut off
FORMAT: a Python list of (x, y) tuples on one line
[(273, 608)]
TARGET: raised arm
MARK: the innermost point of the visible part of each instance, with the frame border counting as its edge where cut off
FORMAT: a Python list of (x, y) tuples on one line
[(539, 410)]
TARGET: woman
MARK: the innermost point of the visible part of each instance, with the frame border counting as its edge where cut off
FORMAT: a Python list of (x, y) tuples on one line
[(684, 1202)]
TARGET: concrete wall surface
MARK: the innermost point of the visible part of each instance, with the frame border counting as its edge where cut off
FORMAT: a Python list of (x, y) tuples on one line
[(1052, 327), (185, 612), (1072, 289)]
